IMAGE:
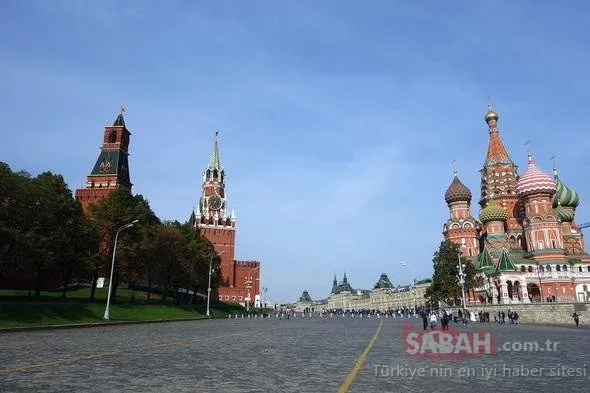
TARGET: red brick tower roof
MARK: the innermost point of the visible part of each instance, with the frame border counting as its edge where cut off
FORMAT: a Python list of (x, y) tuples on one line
[(497, 153)]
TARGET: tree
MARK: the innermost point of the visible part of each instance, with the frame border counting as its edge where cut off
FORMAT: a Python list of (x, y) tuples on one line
[(445, 284), (109, 214), (15, 206)]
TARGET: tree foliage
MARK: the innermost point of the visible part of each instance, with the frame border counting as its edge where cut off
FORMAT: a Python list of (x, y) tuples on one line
[(445, 284), (46, 238)]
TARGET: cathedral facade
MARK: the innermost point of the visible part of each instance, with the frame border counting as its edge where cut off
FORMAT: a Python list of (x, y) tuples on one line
[(526, 242), (240, 280)]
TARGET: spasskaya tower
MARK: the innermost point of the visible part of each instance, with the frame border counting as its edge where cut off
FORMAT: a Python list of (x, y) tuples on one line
[(240, 280)]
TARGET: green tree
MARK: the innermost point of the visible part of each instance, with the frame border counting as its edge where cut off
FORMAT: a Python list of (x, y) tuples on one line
[(16, 204), (111, 213), (445, 284)]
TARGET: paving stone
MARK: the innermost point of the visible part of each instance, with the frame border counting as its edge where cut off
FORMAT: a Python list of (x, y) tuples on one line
[(267, 355)]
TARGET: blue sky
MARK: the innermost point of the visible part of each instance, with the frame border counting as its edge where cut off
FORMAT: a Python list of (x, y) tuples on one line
[(338, 120)]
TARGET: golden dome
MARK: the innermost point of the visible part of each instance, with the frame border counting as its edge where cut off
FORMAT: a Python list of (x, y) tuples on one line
[(491, 115)]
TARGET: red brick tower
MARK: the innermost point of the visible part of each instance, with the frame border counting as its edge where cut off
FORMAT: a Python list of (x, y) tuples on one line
[(498, 182), (217, 223), (111, 170)]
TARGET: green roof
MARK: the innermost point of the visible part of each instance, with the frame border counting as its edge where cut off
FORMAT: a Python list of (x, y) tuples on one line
[(214, 161), (505, 264), (485, 260)]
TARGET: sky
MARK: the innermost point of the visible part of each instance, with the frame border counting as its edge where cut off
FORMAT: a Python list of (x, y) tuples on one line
[(338, 120)]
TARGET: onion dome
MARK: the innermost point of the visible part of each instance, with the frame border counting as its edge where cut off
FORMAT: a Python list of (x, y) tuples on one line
[(490, 115), (564, 195), (534, 181), (492, 212), (563, 214), (457, 192)]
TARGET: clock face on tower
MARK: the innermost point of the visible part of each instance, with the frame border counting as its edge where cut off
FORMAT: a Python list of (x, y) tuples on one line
[(214, 202)]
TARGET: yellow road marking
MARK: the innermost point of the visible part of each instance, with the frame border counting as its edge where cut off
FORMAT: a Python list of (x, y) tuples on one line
[(359, 362), (125, 350)]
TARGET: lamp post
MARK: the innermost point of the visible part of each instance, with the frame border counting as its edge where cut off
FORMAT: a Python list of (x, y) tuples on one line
[(209, 286), (107, 312), (264, 289), (248, 286), (461, 277), (406, 264)]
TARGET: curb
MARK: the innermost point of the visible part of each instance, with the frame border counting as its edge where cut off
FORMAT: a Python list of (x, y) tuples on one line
[(98, 324)]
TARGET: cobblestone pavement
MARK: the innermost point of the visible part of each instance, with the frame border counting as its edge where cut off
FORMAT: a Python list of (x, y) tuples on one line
[(270, 355)]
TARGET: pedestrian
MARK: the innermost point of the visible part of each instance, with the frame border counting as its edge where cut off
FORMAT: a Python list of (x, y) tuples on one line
[(424, 320), (576, 318)]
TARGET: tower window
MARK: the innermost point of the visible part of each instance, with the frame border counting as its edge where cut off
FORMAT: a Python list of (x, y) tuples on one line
[(112, 137)]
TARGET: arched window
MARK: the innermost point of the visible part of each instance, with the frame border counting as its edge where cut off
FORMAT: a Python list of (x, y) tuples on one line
[(565, 268), (557, 268), (522, 269), (541, 269), (548, 268), (112, 137), (580, 268), (530, 269)]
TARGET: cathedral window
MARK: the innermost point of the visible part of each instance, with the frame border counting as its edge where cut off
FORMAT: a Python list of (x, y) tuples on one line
[(548, 269), (557, 268), (522, 269), (542, 269), (553, 243), (588, 268), (564, 268), (215, 174), (580, 269), (530, 269)]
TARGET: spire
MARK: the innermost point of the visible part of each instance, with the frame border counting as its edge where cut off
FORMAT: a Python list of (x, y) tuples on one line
[(554, 159), (454, 168), (335, 281), (528, 152), (497, 153), (120, 121), (344, 279), (214, 162)]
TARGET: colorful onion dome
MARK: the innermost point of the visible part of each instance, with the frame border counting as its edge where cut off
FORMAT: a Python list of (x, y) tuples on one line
[(492, 212), (490, 115), (457, 192), (534, 181), (563, 214), (564, 195)]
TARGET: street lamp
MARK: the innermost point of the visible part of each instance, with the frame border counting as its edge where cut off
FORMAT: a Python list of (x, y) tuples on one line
[(461, 277), (107, 309), (209, 286), (264, 289), (248, 286), (406, 264)]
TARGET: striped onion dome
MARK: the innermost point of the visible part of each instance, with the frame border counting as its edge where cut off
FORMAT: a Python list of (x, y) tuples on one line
[(457, 192), (534, 181), (564, 195), (563, 214), (492, 212)]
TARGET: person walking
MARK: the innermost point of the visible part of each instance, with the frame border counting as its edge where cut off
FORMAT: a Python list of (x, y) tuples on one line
[(576, 318)]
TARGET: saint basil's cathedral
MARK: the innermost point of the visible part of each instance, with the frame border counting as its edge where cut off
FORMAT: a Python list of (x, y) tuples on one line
[(526, 243)]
